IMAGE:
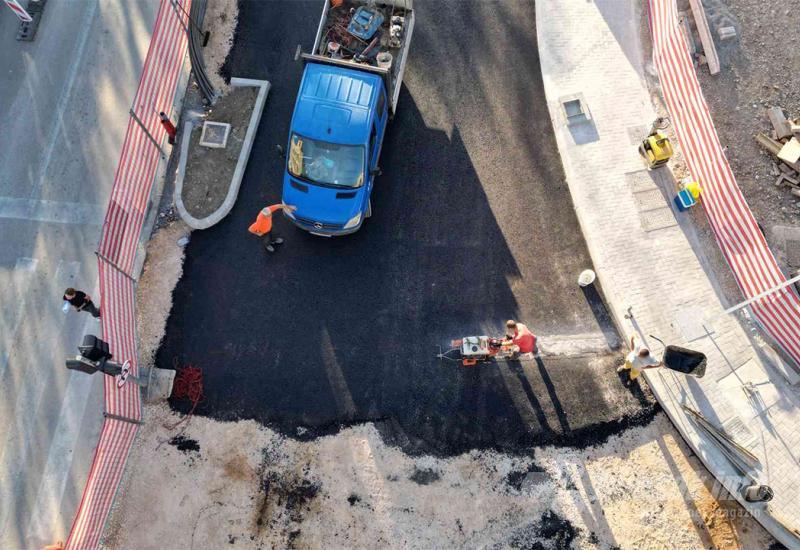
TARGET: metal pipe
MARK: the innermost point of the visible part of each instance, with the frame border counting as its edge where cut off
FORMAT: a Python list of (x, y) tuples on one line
[(757, 297)]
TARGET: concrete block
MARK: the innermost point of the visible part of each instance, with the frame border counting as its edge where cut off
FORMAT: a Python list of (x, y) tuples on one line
[(160, 386)]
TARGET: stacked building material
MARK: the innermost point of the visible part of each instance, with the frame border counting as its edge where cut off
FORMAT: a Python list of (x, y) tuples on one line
[(783, 143)]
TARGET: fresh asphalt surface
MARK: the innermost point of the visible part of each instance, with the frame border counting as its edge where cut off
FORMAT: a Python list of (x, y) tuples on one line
[(473, 224)]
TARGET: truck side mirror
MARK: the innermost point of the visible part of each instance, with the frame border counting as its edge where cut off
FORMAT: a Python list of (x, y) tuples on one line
[(375, 171), (297, 52)]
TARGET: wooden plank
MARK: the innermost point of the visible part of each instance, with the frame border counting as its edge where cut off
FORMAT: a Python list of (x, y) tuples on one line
[(775, 147), (790, 152), (706, 38), (778, 120)]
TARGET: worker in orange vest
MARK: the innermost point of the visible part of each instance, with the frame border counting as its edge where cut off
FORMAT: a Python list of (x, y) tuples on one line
[(263, 225)]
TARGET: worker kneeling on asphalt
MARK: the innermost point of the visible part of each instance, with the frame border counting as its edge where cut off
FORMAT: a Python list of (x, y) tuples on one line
[(263, 225), (638, 359), (519, 338)]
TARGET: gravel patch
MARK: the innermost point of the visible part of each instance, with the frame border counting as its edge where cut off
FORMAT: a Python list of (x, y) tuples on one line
[(249, 487)]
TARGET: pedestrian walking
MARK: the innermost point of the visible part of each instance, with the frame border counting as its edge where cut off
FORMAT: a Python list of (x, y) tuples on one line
[(81, 301), (638, 359), (262, 227), (519, 337)]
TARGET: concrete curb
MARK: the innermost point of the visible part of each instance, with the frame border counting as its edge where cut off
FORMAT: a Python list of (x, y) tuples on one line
[(161, 177), (711, 458), (238, 174)]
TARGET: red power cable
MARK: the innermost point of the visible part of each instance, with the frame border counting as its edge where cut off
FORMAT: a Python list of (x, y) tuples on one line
[(188, 384)]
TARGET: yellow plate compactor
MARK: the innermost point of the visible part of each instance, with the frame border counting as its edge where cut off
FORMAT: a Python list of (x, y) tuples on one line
[(656, 149)]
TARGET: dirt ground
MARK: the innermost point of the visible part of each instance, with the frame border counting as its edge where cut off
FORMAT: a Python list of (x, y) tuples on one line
[(209, 170), (759, 70), (221, 17), (241, 485), (162, 269)]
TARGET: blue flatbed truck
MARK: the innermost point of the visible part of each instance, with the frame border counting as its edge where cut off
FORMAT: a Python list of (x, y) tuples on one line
[(349, 91)]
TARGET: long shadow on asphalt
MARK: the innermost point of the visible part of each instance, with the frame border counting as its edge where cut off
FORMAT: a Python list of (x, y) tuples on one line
[(329, 332)]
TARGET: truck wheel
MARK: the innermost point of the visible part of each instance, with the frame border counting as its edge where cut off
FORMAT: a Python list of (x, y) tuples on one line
[(369, 209)]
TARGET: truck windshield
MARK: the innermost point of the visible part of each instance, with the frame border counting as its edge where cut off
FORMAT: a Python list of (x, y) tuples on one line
[(326, 163)]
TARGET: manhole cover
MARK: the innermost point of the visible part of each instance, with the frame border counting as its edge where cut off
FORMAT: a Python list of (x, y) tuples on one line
[(215, 134)]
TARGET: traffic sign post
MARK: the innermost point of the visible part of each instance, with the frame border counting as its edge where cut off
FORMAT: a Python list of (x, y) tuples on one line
[(19, 11)]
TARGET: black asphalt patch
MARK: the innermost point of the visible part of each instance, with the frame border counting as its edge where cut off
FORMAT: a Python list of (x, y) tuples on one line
[(185, 444), (472, 225)]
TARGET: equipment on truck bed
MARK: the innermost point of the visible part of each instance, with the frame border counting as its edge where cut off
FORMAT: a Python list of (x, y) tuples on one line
[(365, 22)]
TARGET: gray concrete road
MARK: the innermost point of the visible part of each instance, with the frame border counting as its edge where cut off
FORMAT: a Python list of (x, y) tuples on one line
[(63, 105)]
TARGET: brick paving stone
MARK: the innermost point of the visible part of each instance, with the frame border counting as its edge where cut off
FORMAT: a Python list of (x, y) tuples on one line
[(657, 272)]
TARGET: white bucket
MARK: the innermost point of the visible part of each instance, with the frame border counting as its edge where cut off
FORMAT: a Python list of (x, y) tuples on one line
[(384, 60), (586, 277)]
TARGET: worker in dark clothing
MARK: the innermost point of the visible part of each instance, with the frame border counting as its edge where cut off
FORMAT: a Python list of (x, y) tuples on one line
[(81, 301)]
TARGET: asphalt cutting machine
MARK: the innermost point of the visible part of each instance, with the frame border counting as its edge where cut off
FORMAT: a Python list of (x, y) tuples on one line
[(471, 350)]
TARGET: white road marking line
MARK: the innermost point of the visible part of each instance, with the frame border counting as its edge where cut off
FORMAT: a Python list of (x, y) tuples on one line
[(67, 273), (77, 63), (21, 282), (339, 387), (52, 211), (45, 513), (26, 264), (27, 404)]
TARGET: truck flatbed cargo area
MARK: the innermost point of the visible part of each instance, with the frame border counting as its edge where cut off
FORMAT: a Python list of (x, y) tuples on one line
[(368, 36)]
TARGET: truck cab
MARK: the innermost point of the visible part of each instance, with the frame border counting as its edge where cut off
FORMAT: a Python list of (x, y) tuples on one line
[(338, 126)]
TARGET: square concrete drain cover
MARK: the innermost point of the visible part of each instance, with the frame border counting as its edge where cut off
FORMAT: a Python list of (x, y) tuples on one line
[(215, 134), (654, 210), (650, 199), (637, 134), (657, 219), (641, 180)]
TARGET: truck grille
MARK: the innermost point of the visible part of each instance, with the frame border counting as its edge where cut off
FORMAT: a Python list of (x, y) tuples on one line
[(310, 223)]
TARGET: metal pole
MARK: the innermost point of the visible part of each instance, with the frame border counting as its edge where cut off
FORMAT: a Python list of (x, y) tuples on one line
[(115, 266), (192, 21), (111, 416), (757, 297), (175, 7), (152, 139)]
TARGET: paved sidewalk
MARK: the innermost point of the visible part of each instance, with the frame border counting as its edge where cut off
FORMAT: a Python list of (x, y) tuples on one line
[(642, 250), (63, 103)]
